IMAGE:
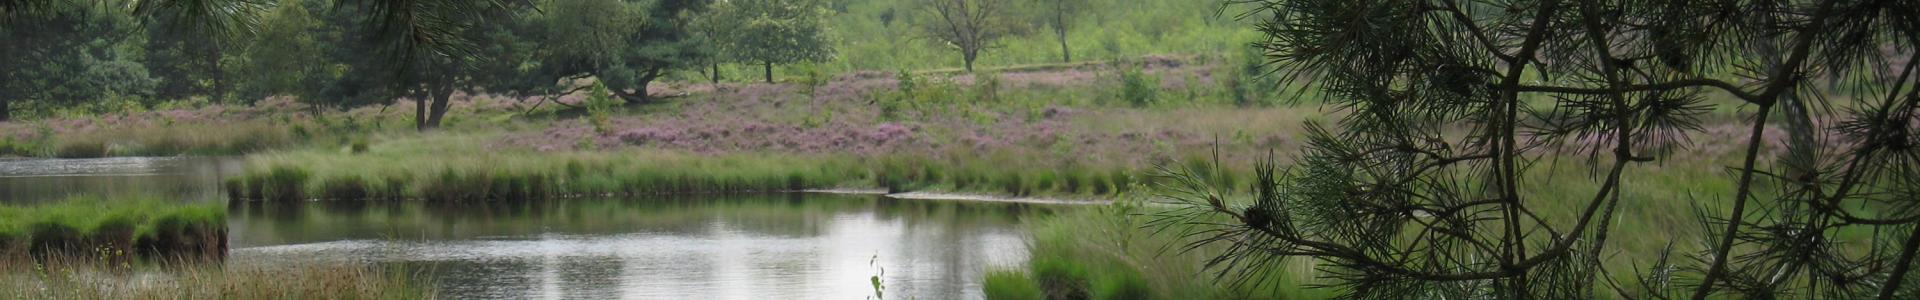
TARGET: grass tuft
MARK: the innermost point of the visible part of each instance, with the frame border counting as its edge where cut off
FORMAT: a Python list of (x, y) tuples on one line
[(88, 226)]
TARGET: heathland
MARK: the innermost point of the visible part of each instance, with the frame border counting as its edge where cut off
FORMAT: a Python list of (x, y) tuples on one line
[(1164, 84)]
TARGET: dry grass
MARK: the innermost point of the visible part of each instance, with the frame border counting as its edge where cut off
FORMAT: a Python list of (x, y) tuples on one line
[(87, 280)]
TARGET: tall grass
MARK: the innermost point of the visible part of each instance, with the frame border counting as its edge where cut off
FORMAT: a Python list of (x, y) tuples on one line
[(1083, 253), (196, 139), (1105, 253), (141, 227), (453, 168), (84, 279)]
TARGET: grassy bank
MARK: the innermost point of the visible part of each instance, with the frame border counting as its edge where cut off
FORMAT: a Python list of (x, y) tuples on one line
[(454, 168), (82, 280), (1106, 253), (133, 228)]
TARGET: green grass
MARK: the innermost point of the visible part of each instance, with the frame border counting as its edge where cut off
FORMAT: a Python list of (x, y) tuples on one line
[(142, 227), (1105, 253), (1011, 285), (456, 167), (1089, 251), (183, 139)]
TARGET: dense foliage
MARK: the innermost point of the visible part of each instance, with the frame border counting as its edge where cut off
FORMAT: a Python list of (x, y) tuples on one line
[(1417, 193)]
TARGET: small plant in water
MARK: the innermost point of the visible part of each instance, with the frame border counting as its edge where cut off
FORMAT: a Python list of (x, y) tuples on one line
[(879, 285)]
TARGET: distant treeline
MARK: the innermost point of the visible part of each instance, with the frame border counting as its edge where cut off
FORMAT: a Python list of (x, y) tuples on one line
[(81, 57)]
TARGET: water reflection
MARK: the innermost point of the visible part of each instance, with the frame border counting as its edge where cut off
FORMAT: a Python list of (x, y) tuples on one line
[(185, 178), (735, 247)]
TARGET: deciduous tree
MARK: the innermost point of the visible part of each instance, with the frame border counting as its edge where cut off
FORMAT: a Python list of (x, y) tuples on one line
[(1060, 16), (771, 32), (969, 26), (63, 53)]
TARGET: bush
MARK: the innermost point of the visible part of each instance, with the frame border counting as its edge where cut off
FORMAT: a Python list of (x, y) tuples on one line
[(599, 107), (1011, 285), (1247, 83), (1138, 88)]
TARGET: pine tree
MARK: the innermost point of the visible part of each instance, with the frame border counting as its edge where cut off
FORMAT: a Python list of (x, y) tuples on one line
[(1448, 104)]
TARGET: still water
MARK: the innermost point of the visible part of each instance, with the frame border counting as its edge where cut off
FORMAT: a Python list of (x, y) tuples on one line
[(774, 246), (184, 178)]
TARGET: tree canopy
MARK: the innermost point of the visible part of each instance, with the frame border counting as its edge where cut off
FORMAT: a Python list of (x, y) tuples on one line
[(771, 32)]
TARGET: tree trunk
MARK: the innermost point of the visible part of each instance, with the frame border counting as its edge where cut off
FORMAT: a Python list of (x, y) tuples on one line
[(967, 58), (1060, 29), (769, 68), (5, 113), (1066, 56), (219, 75), (441, 99), (419, 111), (715, 78), (639, 95)]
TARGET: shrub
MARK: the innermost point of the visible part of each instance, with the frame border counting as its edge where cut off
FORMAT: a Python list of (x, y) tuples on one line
[(1011, 285), (1138, 88), (599, 107), (1246, 83)]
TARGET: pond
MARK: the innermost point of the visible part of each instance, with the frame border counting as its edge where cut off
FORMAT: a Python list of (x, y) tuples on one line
[(184, 178), (769, 246)]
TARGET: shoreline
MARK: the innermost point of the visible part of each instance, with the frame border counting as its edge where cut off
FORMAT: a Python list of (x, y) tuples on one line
[(966, 197)]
